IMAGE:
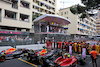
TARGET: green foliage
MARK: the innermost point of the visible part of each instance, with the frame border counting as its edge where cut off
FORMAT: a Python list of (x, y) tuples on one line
[(78, 10), (90, 5), (73, 10), (84, 15), (35, 16)]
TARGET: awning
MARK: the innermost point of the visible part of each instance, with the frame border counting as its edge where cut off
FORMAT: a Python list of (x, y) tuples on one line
[(84, 24), (65, 28), (81, 29), (41, 3), (53, 18)]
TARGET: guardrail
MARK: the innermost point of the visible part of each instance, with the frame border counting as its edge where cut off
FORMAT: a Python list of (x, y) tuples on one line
[(9, 43)]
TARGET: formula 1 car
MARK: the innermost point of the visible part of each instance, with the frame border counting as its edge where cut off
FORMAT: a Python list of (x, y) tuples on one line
[(48, 61), (12, 53), (38, 55), (66, 61)]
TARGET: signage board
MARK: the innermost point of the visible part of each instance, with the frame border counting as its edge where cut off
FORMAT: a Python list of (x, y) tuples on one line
[(12, 32), (84, 52)]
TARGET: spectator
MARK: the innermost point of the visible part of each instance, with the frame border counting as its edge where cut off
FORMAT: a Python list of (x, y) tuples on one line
[(26, 20), (21, 4), (20, 18), (93, 56), (93, 46)]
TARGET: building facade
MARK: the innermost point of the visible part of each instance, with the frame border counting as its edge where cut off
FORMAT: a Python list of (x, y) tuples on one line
[(98, 23), (86, 26), (16, 15)]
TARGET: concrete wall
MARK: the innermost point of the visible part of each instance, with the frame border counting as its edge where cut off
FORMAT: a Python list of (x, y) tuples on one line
[(33, 46)]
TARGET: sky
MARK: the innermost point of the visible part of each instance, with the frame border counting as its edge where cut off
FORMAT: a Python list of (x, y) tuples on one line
[(67, 3)]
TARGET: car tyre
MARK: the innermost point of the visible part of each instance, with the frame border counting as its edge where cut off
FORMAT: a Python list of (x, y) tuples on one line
[(2, 58)]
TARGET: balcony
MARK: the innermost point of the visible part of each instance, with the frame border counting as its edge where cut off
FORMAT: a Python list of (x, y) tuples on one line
[(24, 4), (10, 14), (24, 17), (8, 1), (15, 4)]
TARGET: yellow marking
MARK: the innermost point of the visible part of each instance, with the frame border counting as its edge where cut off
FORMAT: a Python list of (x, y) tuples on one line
[(27, 62)]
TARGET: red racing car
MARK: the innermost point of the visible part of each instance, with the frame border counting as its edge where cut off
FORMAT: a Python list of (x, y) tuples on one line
[(66, 61)]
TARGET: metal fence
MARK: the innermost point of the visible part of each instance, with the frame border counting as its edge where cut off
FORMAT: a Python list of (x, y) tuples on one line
[(9, 43)]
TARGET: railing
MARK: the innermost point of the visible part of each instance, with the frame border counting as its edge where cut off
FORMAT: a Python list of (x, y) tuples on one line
[(9, 43)]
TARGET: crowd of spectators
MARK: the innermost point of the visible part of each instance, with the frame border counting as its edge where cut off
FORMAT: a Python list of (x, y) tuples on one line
[(14, 38), (22, 4)]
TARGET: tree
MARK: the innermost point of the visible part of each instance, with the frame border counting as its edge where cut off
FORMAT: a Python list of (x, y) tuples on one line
[(90, 5), (35, 16), (78, 9)]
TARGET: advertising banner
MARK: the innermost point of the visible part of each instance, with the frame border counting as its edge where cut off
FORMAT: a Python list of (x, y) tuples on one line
[(12, 32), (70, 49)]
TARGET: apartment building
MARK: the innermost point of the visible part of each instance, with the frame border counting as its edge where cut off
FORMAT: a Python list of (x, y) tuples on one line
[(16, 15), (98, 23), (86, 26)]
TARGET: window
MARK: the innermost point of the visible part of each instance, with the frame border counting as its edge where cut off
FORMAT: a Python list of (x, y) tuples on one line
[(24, 17), (37, 8), (61, 13), (15, 4), (33, 26), (78, 22), (53, 3), (53, 9), (10, 14), (24, 4), (41, 4), (33, 6), (27, 30), (49, 1), (65, 12), (46, 0), (78, 29)]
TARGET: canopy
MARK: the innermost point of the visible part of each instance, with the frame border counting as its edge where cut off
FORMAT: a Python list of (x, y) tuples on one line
[(53, 18)]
